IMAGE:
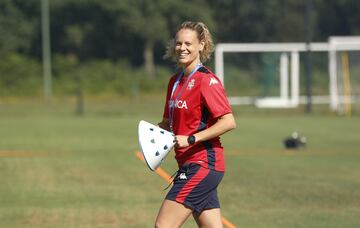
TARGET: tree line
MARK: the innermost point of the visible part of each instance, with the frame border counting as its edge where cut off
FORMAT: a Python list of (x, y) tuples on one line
[(101, 45)]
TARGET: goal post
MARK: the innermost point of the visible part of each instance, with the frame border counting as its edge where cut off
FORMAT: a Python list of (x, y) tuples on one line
[(289, 66), (286, 50), (341, 96)]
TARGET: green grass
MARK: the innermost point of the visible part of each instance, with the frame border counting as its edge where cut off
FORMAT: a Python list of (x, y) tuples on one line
[(62, 170)]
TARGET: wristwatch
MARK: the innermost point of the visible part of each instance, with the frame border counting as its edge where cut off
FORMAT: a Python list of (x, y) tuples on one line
[(191, 139)]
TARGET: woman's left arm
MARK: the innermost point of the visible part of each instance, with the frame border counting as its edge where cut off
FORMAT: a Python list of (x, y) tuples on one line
[(224, 124)]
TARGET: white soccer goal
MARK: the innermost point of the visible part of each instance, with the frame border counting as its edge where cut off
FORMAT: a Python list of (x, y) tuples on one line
[(289, 62)]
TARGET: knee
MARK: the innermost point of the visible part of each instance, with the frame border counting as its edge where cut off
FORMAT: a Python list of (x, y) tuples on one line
[(163, 223), (160, 223)]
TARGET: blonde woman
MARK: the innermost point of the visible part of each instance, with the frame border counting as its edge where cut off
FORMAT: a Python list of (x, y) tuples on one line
[(197, 112)]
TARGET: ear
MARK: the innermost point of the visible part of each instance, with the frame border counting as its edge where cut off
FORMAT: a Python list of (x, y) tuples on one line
[(202, 45)]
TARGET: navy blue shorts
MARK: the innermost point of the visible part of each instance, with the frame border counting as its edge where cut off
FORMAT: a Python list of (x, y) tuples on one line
[(195, 187)]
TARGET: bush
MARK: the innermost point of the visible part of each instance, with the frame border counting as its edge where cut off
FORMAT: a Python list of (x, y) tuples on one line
[(20, 76), (105, 76)]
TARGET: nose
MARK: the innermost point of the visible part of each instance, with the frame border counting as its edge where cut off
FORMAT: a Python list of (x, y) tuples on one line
[(182, 47)]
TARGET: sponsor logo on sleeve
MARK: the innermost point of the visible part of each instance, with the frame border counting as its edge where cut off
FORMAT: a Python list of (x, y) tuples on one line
[(213, 81)]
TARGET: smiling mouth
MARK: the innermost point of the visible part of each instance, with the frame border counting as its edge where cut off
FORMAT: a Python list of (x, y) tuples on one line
[(183, 55)]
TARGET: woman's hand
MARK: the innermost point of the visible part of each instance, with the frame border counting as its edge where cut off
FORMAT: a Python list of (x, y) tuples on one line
[(181, 141)]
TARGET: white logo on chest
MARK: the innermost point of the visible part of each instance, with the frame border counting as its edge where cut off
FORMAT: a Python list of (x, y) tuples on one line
[(178, 104), (191, 84)]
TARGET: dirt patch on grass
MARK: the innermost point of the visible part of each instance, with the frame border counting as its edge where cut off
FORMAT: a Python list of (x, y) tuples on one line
[(19, 154)]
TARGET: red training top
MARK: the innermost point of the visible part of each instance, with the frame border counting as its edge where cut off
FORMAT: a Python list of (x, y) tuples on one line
[(197, 107)]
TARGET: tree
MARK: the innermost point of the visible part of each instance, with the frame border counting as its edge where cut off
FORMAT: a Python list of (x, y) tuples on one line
[(145, 20), (259, 21), (15, 28), (337, 17), (153, 21)]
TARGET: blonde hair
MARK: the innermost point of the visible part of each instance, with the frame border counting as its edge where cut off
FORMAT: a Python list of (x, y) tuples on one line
[(203, 35)]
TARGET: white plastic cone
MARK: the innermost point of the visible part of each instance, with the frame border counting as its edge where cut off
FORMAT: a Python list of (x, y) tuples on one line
[(155, 143)]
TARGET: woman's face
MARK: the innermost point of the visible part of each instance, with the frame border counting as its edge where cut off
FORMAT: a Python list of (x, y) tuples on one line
[(187, 47)]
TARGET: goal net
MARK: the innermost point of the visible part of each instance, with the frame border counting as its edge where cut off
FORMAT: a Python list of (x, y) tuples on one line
[(272, 75)]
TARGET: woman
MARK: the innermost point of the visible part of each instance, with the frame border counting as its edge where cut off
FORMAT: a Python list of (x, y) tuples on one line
[(197, 112)]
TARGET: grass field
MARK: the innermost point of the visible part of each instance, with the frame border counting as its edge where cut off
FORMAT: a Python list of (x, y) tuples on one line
[(62, 170)]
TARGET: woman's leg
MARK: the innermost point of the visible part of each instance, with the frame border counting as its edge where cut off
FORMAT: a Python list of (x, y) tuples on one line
[(209, 218), (172, 214)]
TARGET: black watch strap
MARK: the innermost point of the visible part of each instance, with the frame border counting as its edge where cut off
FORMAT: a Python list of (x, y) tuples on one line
[(191, 139)]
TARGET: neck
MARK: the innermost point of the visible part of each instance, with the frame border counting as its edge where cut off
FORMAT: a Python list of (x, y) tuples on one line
[(189, 68)]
